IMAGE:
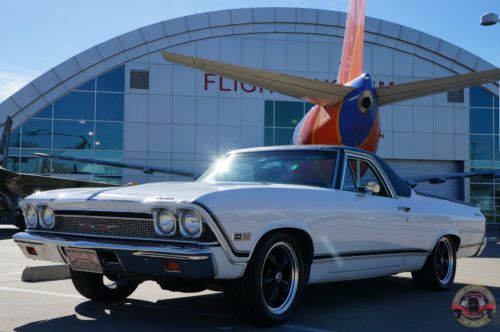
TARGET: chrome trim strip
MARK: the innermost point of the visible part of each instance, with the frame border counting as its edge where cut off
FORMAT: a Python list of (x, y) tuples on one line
[(169, 256), (173, 251), (371, 253), (86, 235), (100, 217)]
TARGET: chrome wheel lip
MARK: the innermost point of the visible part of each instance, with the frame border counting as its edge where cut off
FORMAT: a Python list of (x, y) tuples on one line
[(451, 262), (294, 279)]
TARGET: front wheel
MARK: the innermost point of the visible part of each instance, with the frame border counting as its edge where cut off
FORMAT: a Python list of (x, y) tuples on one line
[(269, 291), (99, 288), (439, 270)]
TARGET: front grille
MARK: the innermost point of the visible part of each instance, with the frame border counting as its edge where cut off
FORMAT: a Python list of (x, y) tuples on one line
[(121, 227)]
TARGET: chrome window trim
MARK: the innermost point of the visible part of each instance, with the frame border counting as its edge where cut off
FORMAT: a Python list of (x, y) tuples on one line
[(370, 160)]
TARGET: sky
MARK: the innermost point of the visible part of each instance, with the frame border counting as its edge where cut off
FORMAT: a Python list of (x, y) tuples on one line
[(36, 35)]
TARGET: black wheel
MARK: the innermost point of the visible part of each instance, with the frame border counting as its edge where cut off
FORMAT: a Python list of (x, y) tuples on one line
[(269, 291), (438, 272), (19, 221), (99, 288)]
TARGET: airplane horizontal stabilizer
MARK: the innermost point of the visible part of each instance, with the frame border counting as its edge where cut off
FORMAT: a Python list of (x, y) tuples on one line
[(441, 178), (317, 92), (400, 92)]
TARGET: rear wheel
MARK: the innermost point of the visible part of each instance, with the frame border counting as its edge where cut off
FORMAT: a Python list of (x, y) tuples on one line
[(99, 288), (438, 272), (269, 291)]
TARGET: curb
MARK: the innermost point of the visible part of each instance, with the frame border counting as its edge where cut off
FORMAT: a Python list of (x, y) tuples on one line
[(45, 273)]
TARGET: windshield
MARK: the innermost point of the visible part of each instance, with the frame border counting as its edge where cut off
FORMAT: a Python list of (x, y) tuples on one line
[(312, 168)]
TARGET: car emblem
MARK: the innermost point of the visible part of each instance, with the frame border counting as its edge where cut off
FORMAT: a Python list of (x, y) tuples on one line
[(96, 227)]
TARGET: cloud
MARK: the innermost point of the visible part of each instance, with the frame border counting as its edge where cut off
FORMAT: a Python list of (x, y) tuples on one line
[(12, 81)]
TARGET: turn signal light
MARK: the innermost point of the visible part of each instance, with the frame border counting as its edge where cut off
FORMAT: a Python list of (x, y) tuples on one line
[(32, 251), (172, 266)]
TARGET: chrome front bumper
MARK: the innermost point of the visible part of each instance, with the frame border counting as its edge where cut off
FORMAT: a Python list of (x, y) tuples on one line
[(147, 259)]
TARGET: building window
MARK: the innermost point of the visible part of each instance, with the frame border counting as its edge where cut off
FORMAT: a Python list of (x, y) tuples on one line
[(109, 136), (109, 106), (481, 120), (37, 134), (75, 105), (484, 150), (86, 122), (280, 120), (113, 80), (76, 135)]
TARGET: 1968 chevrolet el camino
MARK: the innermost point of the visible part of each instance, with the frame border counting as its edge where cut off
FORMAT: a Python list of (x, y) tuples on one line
[(259, 225)]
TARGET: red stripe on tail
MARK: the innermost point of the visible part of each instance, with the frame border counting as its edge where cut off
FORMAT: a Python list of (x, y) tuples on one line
[(351, 63)]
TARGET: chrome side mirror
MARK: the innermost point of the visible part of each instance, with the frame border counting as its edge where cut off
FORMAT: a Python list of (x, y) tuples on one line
[(372, 188)]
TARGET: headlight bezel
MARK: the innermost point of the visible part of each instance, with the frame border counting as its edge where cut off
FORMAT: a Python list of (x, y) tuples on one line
[(41, 218), (182, 228), (157, 227), (27, 217)]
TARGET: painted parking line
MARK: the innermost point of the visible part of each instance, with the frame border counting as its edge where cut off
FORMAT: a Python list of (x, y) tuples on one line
[(33, 291)]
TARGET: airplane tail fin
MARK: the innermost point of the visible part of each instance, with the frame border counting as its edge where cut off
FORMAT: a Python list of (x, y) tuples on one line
[(4, 143), (351, 63)]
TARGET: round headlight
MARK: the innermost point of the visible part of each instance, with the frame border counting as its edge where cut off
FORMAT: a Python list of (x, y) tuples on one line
[(31, 219), (166, 222), (48, 218), (190, 224)]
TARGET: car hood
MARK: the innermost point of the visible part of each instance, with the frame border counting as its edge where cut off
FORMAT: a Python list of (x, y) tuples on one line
[(164, 191)]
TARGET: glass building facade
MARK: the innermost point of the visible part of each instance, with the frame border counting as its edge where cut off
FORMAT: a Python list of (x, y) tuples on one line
[(484, 119), (86, 122)]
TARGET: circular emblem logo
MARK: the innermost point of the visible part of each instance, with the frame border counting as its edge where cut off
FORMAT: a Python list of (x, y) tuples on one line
[(473, 306)]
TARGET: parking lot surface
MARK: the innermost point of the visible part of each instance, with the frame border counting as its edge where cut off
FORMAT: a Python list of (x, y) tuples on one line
[(383, 304)]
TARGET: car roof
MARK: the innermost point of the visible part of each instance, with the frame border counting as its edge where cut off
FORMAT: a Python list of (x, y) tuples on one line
[(309, 147)]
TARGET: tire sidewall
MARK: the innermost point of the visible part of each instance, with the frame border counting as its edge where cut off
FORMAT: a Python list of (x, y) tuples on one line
[(256, 269), (454, 258)]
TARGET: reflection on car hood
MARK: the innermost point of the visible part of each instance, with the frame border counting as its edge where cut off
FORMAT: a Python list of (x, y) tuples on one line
[(170, 191)]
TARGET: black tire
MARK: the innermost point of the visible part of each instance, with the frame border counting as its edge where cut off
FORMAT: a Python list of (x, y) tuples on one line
[(439, 270), (92, 286), (261, 296), (19, 221)]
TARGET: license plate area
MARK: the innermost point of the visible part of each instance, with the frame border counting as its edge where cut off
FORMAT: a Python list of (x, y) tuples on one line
[(85, 260)]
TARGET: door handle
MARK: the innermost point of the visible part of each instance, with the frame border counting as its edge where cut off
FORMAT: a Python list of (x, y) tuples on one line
[(404, 208)]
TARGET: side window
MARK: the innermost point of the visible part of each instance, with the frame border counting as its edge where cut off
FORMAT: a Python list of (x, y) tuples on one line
[(362, 173), (349, 181)]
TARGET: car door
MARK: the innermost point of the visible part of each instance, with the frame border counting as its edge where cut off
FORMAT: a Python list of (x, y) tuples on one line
[(371, 231)]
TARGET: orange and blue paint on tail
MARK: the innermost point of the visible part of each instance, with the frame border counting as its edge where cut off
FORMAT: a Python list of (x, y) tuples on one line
[(346, 123)]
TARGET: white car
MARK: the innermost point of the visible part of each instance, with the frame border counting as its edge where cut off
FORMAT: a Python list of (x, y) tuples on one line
[(259, 225)]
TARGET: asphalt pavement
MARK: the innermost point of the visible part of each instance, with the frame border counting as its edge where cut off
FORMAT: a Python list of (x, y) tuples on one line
[(382, 304)]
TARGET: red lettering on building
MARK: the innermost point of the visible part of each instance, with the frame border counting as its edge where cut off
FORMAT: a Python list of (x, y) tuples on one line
[(221, 85), (248, 88), (252, 89), (207, 80)]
